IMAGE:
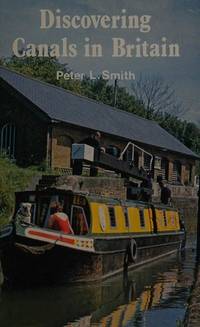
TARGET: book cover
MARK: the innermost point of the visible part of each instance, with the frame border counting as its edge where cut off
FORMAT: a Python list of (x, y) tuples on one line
[(101, 96)]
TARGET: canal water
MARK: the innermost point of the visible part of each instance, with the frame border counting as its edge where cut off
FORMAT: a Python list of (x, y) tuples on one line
[(155, 295)]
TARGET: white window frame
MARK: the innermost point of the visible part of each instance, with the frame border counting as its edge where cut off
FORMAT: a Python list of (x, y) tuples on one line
[(157, 162)]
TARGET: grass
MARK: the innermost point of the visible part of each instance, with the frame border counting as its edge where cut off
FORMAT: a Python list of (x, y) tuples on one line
[(12, 179)]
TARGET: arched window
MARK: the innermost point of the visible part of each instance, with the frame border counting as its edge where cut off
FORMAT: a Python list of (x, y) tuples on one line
[(7, 140)]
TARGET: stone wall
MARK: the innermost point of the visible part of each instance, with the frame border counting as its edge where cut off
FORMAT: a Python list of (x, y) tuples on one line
[(103, 186), (185, 199), (177, 191), (188, 207)]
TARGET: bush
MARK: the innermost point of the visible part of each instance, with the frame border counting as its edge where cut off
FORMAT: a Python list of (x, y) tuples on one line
[(12, 179)]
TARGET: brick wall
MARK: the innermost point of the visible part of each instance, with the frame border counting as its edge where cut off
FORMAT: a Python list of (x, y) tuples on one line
[(61, 152)]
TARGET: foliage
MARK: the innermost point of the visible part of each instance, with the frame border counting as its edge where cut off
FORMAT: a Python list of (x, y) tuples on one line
[(44, 69), (158, 96), (12, 179)]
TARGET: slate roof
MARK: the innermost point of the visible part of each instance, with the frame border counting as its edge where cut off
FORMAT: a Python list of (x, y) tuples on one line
[(68, 107)]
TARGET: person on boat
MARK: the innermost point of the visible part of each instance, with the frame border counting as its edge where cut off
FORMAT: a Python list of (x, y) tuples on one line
[(165, 195), (59, 220)]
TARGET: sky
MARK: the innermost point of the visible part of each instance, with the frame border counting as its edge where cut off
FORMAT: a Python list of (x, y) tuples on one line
[(177, 20)]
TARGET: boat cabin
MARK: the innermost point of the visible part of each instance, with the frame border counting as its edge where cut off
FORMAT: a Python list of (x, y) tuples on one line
[(97, 215)]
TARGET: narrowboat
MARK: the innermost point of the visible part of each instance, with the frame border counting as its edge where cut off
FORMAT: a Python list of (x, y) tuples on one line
[(106, 236)]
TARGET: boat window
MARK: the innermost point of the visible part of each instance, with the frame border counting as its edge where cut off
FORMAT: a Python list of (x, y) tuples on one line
[(165, 218), (78, 221), (43, 211), (126, 217), (112, 216), (142, 220), (47, 205)]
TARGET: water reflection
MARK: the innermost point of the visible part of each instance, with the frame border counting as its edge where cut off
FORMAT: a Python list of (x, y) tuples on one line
[(156, 293)]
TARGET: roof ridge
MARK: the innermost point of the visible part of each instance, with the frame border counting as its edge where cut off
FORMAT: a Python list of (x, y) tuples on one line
[(79, 95)]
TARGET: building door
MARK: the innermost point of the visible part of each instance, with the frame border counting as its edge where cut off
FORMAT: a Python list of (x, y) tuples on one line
[(8, 140), (176, 176), (62, 151), (165, 168)]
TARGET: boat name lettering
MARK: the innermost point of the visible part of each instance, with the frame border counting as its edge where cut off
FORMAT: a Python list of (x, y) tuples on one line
[(79, 200)]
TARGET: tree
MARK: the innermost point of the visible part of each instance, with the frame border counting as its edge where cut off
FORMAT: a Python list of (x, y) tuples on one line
[(43, 68), (156, 96)]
